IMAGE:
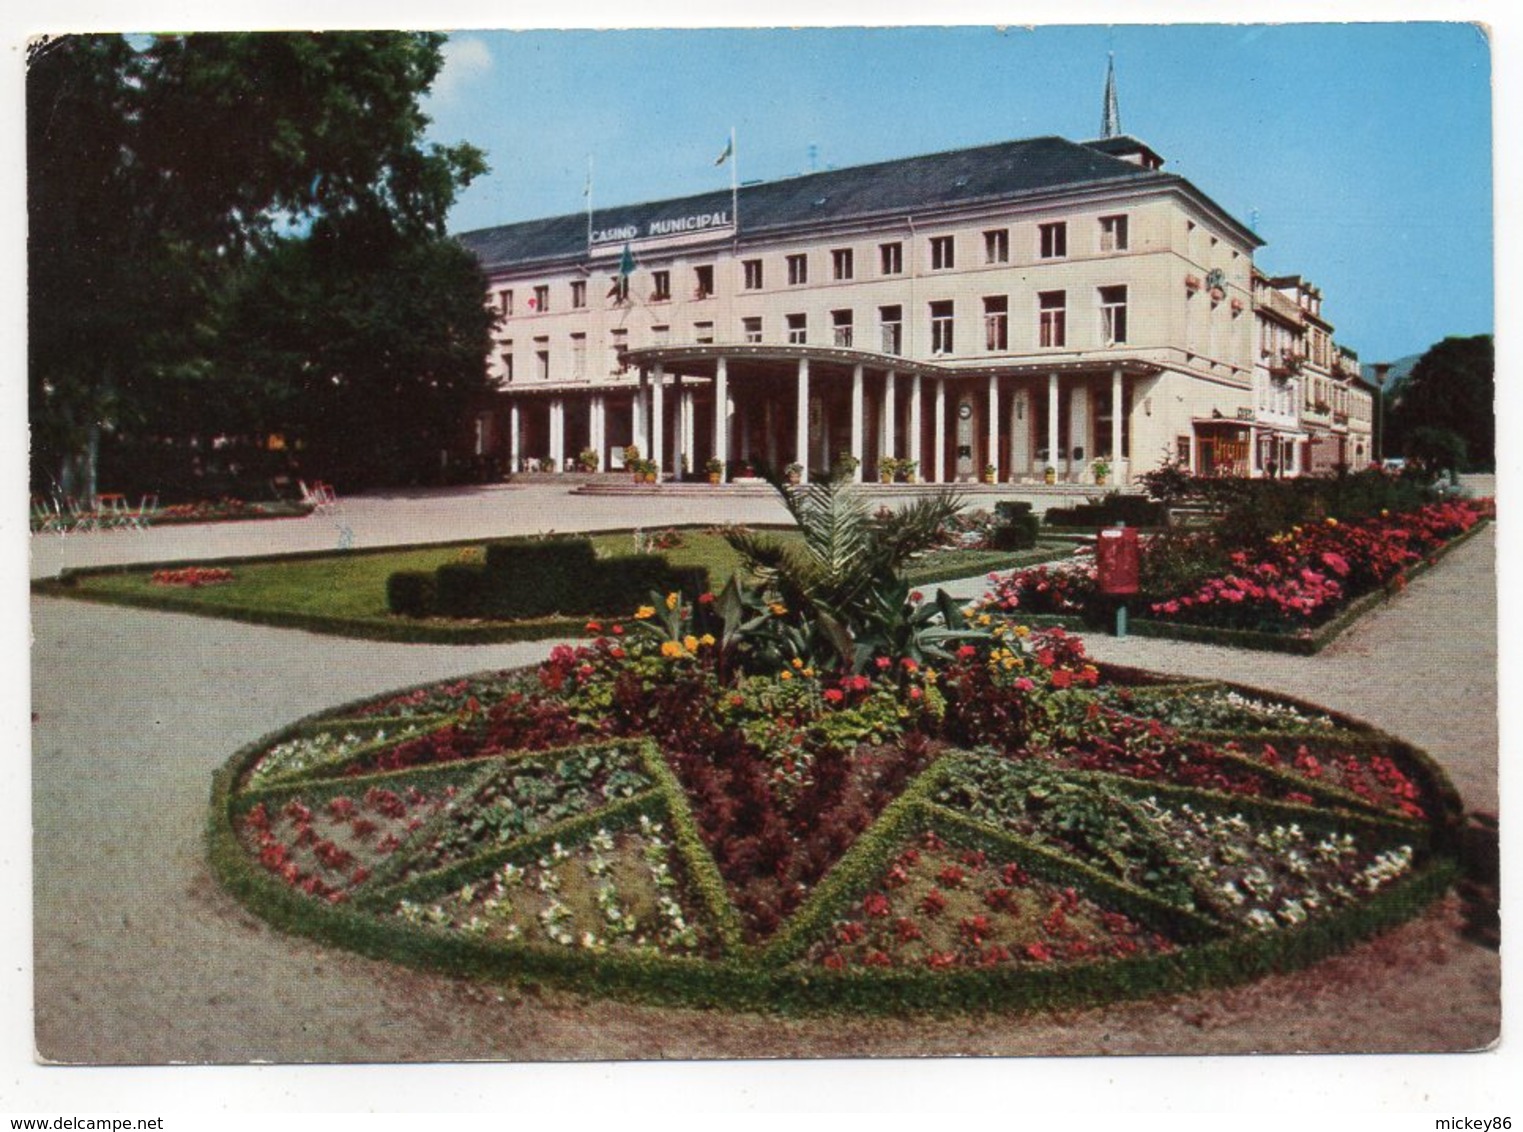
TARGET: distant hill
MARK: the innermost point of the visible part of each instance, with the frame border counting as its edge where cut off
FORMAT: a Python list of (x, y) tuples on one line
[(1401, 369)]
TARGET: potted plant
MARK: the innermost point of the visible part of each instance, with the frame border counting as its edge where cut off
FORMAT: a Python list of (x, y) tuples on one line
[(587, 460), (990, 471), (888, 468), (847, 464), (633, 462), (793, 473), (715, 467), (1050, 474), (907, 470), (1102, 470)]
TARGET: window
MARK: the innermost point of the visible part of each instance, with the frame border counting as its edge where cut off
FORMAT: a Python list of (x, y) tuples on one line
[(997, 246), (618, 341), (540, 303), (1112, 315), (891, 258), (753, 274), (1053, 240), (1052, 327), (1113, 234), (703, 333), (660, 285), (840, 326), (798, 270), (578, 356), (751, 329), (841, 263), (891, 329), (941, 327), (579, 293), (941, 253), (542, 358), (703, 281), (996, 322), (661, 335), (798, 329), (505, 303), (507, 360)]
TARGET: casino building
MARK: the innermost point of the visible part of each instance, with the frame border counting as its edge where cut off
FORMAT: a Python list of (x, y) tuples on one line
[(1028, 310)]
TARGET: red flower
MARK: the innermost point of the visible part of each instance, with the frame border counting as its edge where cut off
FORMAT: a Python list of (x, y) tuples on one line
[(876, 904), (951, 876), (1038, 953), (834, 695), (933, 903)]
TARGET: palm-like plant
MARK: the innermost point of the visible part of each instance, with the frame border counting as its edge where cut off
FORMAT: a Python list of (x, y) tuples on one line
[(838, 576)]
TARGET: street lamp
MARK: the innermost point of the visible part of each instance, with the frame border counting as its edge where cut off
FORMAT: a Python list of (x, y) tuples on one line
[(1382, 369)]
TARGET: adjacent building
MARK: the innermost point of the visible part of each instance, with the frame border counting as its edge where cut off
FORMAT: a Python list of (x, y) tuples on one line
[(1029, 310)]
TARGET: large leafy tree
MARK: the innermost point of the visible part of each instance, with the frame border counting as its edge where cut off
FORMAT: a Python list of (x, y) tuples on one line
[(161, 169), (1452, 389)]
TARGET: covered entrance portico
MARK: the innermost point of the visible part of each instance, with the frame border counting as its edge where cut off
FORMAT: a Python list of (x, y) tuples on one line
[(750, 407)]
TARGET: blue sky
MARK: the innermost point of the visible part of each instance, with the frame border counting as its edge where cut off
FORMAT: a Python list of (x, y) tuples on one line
[(1360, 152)]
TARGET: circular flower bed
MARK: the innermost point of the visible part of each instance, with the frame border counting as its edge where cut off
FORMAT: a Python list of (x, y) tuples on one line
[(1008, 827)]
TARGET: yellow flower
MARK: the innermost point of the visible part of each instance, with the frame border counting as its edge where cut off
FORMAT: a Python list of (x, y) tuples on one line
[(672, 600), (645, 612), (690, 643), (984, 619), (797, 663), (785, 675), (1009, 663), (706, 639), (671, 648), (808, 672), (1023, 631), (778, 609), (1332, 522)]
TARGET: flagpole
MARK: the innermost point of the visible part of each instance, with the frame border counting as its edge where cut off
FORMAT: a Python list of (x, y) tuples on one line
[(734, 184), (587, 192)]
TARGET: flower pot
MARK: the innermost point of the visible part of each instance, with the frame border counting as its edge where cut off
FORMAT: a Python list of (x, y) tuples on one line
[(1050, 476), (714, 477)]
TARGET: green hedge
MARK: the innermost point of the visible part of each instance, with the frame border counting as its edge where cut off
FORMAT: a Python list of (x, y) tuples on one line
[(1133, 510), (524, 579)]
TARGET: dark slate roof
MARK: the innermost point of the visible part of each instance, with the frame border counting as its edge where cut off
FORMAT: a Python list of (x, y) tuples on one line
[(908, 185)]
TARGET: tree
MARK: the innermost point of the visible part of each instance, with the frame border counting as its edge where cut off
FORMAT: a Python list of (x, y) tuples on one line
[(1452, 389), (159, 170)]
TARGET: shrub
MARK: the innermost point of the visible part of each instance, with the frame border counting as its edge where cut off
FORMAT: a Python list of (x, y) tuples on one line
[(459, 589), (1016, 528), (410, 593)]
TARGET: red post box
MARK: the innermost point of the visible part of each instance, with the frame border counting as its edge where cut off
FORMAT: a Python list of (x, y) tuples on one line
[(1118, 560)]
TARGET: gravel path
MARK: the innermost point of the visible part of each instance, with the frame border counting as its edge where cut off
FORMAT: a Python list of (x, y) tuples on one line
[(141, 959)]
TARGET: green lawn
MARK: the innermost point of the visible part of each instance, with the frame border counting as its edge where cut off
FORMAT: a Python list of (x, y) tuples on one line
[(345, 593)]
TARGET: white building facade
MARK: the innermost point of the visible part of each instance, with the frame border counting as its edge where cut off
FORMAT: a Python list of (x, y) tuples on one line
[(1037, 309)]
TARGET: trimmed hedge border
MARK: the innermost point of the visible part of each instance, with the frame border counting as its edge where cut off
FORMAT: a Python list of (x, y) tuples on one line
[(765, 978), (1309, 645)]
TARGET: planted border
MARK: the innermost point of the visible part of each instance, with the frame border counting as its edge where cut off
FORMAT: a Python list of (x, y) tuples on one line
[(766, 977)]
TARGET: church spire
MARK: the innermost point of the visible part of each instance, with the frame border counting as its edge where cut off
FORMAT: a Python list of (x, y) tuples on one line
[(1110, 121)]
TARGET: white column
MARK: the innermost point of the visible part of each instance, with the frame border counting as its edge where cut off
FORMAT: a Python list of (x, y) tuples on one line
[(658, 417), (993, 453), (1052, 421), (595, 428), (1078, 426), (1020, 450), (801, 426), (1121, 475), (856, 421), (890, 417), (515, 438), (915, 398), (722, 413), (638, 429), (558, 434), (687, 426), (939, 427), (679, 437)]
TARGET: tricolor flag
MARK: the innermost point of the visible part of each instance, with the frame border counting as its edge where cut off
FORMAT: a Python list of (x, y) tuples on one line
[(729, 151), (627, 262)]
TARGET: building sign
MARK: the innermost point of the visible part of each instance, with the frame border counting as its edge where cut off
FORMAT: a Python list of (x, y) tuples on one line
[(665, 230)]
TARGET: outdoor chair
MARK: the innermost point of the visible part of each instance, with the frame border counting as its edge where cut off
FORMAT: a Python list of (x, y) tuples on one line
[(139, 520)]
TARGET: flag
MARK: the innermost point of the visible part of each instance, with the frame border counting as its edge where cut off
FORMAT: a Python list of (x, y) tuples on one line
[(729, 151), (627, 262)]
